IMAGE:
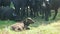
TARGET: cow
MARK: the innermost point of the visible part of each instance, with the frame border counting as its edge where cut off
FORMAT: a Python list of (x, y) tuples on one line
[(19, 7), (8, 13), (33, 7), (55, 5), (19, 26), (50, 5)]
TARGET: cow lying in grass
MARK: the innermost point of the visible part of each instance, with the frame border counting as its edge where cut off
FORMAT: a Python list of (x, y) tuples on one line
[(19, 26)]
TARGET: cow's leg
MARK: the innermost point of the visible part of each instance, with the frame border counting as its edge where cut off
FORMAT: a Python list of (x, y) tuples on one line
[(49, 11), (35, 11), (46, 15), (56, 11), (27, 12), (42, 13), (23, 12), (17, 12), (26, 27), (31, 12), (17, 6)]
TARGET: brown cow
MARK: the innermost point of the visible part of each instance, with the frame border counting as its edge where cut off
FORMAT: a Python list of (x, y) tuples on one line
[(19, 26)]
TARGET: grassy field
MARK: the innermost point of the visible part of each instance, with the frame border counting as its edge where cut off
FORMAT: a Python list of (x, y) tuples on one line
[(39, 27)]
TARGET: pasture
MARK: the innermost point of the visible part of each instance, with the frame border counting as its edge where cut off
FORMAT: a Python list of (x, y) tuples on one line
[(39, 27)]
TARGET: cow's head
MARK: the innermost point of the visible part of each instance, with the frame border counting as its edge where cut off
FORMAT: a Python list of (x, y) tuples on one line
[(28, 21)]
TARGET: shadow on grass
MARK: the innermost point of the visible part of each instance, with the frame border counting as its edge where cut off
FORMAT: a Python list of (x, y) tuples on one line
[(39, 21)]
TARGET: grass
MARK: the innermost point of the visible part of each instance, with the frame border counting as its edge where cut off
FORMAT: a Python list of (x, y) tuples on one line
[(39, 27), (52, 28), (6, 23)]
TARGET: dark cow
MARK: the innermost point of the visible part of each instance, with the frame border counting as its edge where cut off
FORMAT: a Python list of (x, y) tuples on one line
[(55, 5), (5, 2), (19, 7), (7, 13), (45, 10), (51, 5), (33, 7)]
